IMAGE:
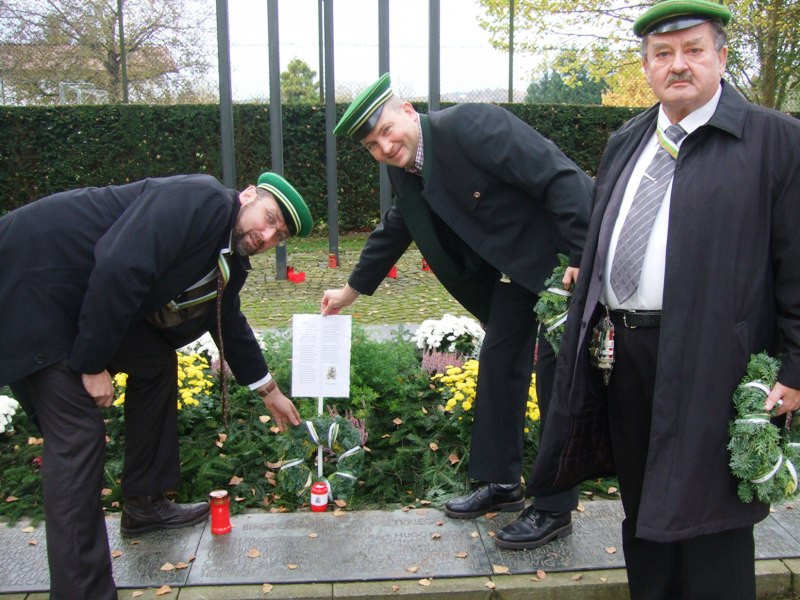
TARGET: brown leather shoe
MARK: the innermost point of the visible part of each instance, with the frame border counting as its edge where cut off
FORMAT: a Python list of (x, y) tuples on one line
[(145, 513)]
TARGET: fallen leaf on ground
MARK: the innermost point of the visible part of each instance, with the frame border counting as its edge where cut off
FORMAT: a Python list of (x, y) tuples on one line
[(439, 522), (395, 588), (604, 579), (313, 536), (461, 555), (135, 542), (266, 588), (34, 441), (265, 418), (490, 584), (490, 515), (425, 502), (182, 565), (612, 490), (541, 574), (581, 508), (611, 550), (474, 534), (167, 566), (291, 566), (433, 446), (422, 511), (253, 553), (235, 480), (453, 458), (116, 553), (11, 498), (340, 503), (412, 569), (424, 582), (491, 533), (577, 577), (105, 492), (222, 437), (136, 594), (397, 421), (191, 558), (274, 429), (339, 513), (27, 529), (436, 536), (499, 569), (163, 590)]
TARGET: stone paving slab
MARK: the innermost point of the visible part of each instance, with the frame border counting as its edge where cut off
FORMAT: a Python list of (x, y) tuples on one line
[(367, 553), (364, 545)]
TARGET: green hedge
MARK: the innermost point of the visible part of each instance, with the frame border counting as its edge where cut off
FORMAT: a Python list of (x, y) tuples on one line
[(48, 149)]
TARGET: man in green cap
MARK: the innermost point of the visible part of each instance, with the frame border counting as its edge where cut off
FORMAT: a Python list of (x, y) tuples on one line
[(103, 280), (490, 203), (692, 264)]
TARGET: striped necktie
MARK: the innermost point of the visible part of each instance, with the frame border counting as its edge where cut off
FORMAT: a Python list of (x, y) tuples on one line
[(626, 269)]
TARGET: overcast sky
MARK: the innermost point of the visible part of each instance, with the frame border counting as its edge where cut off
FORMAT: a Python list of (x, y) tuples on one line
[(468, 61)]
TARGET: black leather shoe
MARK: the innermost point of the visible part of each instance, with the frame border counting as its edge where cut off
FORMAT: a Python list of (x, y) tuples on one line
[(534, 528), (146, 513), (488, 497)]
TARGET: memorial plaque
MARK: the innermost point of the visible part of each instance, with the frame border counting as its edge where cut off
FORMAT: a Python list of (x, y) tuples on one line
[(365, 545), (595, 533), (23, 564), (142, 557), (787, 515), (23, 561)]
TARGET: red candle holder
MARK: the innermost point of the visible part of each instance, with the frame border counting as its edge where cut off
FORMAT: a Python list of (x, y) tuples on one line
[(319, 497), (393, 272), (220, 512), (333, 261)]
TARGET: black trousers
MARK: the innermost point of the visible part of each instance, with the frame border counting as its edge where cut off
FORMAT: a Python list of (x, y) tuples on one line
[(716, 566), (506, 364), (74, 452)]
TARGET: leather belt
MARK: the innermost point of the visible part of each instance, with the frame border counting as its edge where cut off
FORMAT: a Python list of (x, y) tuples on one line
[(636, 318)]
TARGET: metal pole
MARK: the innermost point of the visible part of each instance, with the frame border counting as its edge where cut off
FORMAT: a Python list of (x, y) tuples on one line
[(320, 42), (225, 99), (123, 59), (511, 51), (434, 76), (330, 141), (275, 116), (383, 67)]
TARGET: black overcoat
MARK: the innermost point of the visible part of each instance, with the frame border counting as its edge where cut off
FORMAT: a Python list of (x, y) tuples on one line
[(497, 196), (79, 266), (731, 288)]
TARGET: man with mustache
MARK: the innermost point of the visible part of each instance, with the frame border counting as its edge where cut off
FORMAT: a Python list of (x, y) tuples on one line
[(490, 203), (692, 264), (103, 280)]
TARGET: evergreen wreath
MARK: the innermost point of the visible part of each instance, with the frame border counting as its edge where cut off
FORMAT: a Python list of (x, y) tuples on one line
[(553, 305), (343, 457), (764, 457)]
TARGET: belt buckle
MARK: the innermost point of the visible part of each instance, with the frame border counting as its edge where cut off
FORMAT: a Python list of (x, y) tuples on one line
[(625, 319)]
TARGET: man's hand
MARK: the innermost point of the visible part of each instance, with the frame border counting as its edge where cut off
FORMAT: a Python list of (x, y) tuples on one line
[(787, 399), (570, 277), (99, 387), (281, 408), (335, 300)]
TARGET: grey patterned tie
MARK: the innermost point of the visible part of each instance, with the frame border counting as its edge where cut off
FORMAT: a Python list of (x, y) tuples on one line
[(626, 269)]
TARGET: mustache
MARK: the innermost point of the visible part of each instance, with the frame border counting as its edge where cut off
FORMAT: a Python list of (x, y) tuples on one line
[(675, 77)]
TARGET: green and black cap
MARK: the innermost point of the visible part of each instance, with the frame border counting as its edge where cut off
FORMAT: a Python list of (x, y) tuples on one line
[(363, 113), (674, 15), (293, 207)]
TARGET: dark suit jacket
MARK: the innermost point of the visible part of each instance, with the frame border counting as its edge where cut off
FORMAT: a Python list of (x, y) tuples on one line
[(496, 196), (79, 266), (731, 285)]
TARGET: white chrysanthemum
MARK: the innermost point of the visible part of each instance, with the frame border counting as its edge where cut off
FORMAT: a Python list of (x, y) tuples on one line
[(450, 334), (8, 408)]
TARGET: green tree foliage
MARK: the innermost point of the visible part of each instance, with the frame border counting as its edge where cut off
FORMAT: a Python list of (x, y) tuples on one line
[(298, 85), (764, 57), (45, 44), (552, 89)]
